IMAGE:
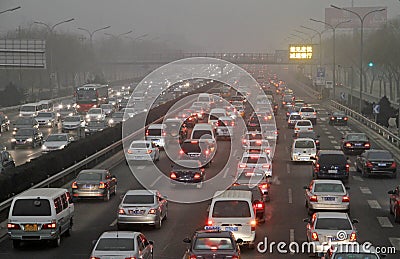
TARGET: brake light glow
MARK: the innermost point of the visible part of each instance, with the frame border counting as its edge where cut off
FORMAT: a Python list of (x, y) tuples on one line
[(314, 198), (102, 185), (196, 176), (347, 168), (194, 142), (181, 152), (264, 186), (259, 205), (94, 257), (51, 225), (332, 118), (348, 144), (172, 175), (132, 257), (253, 224), (268, 166), (346, 199), (258, 142), (296, 128), (393, 165), (314, 236), (149, 151), (193, 257), (353, 236), (130, 151), (242, 165), (209, 222), (317, 167), (232, 123), (121, 211), (152, 211), (369, 164), (345, 118), (74, 185), (367, 145), (13, 226), (147, 132)]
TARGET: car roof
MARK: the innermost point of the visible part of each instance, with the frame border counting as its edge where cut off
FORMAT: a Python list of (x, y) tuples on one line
[(42, 192), (336, 215), (119, 234), (212, 233), (141, 192), (225, 118), (330, 152), (327, 181), (303, 139), (247, 154), (303, 121), (141, 141), (94, 171), (58, 134), (202, 126), (233, 194), (156, 126), (378, 151)]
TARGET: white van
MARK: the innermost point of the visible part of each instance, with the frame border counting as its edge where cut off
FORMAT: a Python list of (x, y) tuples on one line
[(204, 97), (156, 134), (40, 214), (203, 131), (47, 105), (232, 210), (29, 110), (303, 150)]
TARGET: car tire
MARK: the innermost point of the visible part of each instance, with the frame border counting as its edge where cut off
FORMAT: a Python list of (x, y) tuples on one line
[(16, 244), (57, 242), (107, 196), (69, 230), (390, 208), (166, 214), (158, 224)]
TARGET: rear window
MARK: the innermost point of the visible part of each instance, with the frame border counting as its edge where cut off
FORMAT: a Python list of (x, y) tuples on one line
[(356, 137), (203, 99), (254, 136), (328, 187), (154, 132), (303, 123), (197, 134), (231, 209), (380, 155), (307, 109), (31, 207), (213, 243), (140, 145), (139, 199), (304, 144), (115, 244), (191, 147), (295, 117), (255, 160), (333, 224), (89, 177), (332, 159)]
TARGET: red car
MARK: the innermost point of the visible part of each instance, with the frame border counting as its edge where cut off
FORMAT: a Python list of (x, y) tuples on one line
[(394, 203)]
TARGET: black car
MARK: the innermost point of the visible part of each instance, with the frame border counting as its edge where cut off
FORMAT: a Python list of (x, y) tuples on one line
[(311, 135), (253, 124), (30, 137), (94, 183), (379, 162), (187, 172), (355, 143), (198, 150), (25, 122), (6, 161), (212, 244), (338, 118), (331, 164), (95, 126), (4, 123)]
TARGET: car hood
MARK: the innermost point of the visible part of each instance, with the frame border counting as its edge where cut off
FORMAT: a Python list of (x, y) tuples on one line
[(55, 143)]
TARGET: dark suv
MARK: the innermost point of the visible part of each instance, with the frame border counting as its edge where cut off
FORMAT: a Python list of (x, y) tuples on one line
[(27, 137), (331, 164)]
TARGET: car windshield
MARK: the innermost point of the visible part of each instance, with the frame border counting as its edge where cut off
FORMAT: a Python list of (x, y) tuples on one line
[(31, 207), (380, 155), (24, 121), (24, 132), (139, 199), (193, 147), (89, 176), (333, 224), (44, 115), (57, 138), (106, 106), (328, 187), (153, 132), (338, 114), (140, 145), (204, 99), (72, 119), (213, 243), (355, 255), (304, 144), (307, 109), (205, 134), (327, 159), (295, 117), (231, 209), (118, 115), (115, 244), (28, 108), (94, 111), (356, 137)]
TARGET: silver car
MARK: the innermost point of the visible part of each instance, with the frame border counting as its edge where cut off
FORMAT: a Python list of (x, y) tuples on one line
[(142, 207), (142, 150), (47, 119), (72, 123), (56, 141), (122, 245), (327, 228), (327, 195)]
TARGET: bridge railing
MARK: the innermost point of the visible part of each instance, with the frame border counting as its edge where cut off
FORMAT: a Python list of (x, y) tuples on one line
[(388, 135)]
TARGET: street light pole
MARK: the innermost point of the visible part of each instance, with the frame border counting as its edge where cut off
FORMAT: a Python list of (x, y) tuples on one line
[(10, 10), (91, 33), (320, 37), (362, 19), (116, 36), (333, 27)]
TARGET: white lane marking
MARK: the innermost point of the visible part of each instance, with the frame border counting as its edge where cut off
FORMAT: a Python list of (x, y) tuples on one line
[(291, 235), (337, 147), (395, 241), (374, 204), (358, 178), (226, 172), (334, 142), (113, 223), (331, 137), (141, 167), (365, 190), (328, 133), (284, 137), (384, 222), (235, 152), (288, 168), (158, 178), (290, 196)]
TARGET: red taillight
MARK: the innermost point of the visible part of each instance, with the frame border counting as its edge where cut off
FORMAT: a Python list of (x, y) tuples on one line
[(348, 144), (209, 222), (332, 118), (283, 103), (314, 236), (149, 151), (353, 236), (235, 257), (181, 152), (393, 165), (74, 185), (196, 176), (314, 113), (264, 186), (164, 134), (232, 123), (346, 199), (296, 128), (268, 166), (172, 175), (51, 225), (314, 198), (347, 168), (310, 128), (152, 211), (130, 151), (194, 142), (242, 165), (13, 226), (207, 152), (121, 211), (253, 224), (259, 205), (102, 185), (369, 164), (193, 257), (317, 167), (258, 142), (244, 141), (94, 257), (147, 132), (276, 132), (345, 118), (367, 145), (132, 257)]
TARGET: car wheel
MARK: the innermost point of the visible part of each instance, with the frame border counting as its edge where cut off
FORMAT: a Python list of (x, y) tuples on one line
[(166, 214), (57, 241), (158, 223), (107, 196), (16, 244), (115, 190), (396, 215)]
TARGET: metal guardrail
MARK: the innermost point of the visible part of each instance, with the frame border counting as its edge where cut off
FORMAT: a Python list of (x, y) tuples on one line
[(388, 135)]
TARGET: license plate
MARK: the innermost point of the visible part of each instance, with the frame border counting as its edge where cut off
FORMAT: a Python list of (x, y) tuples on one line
[(303, 158), (194, 155), (332, 171), (212, 228), (231, 229), (88, 186), (339, 118), (381, 164), (135, 212), (31, 228), (329, 198), (138, 157), (358, 144)]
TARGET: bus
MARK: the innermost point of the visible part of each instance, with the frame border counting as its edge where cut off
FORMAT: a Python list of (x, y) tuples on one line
[(90, 96)]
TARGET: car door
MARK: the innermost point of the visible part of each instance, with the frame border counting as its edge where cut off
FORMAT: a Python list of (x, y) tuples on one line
[(309, 191), (161, 204), (394, 197)]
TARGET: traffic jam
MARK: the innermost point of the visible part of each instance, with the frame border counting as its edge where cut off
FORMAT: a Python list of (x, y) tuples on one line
[(188, 144)]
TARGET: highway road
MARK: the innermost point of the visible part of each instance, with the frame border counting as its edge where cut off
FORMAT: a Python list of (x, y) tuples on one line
[(285, 211)]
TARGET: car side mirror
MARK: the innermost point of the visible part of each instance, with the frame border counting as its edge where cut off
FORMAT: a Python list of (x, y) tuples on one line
[(239, 241), (306, 188), (347, 187), (391, 192), (187, 240), (354, 221), (151, 242), (307, 220)]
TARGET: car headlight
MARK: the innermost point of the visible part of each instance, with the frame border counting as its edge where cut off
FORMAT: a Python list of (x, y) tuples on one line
[(58, 114), (87, 116), (49, 123), (78, 106), (61, 147), (70, 114), (13, 140), (111, 121), (98, 116), (87, 130), (29, 139), (44, 147)]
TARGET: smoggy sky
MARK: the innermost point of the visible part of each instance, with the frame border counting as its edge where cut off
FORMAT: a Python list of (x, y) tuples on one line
[(205, 25)]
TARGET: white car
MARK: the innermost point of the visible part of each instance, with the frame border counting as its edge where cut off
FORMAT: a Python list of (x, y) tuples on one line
[(303, 150), (107, 108), (224, 127), (95, 114), (308, 113), (72, 123), (122, 244), (56, 142), (260, 161), (47, 119), (251, 135), (258, 146), (129, 112), (303, 125), (142, 150)]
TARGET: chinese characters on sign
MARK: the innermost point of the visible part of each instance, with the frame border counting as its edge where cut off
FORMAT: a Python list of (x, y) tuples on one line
[(300, 52)]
